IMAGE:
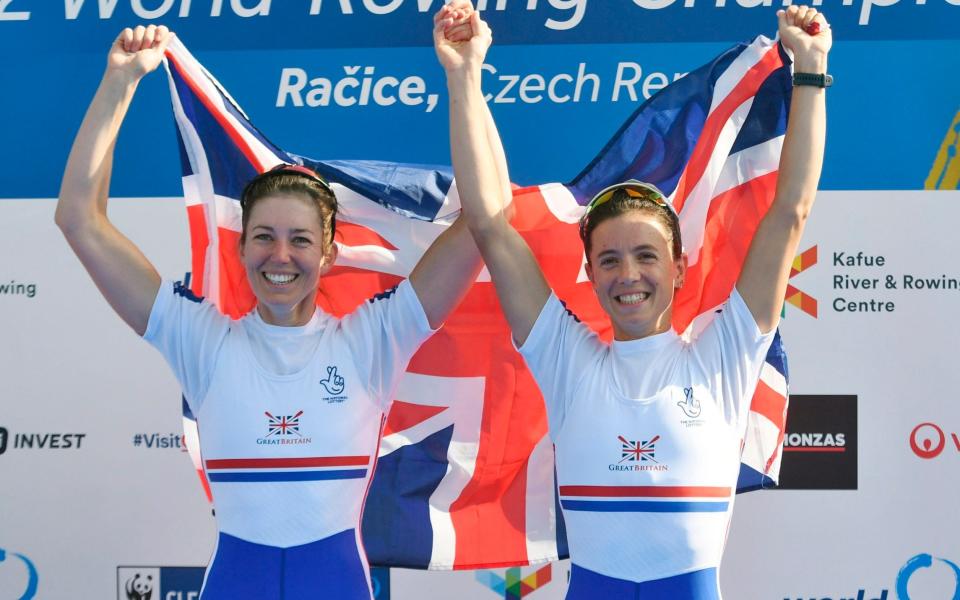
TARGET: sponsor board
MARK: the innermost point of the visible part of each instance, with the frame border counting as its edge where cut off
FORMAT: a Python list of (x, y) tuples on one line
[(511, 584), (159, 441), (160, 583), (18, 576), (820, 443), (40, 441), (929, 440), (922, 577)]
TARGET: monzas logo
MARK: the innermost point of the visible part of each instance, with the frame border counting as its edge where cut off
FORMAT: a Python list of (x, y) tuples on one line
[(513, 584), (928, 441), (283, 430), (334, 384), (815, 442), (820, 443), (18, 576), (159, 583)]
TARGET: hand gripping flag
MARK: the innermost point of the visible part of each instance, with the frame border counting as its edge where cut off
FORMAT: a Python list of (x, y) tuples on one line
[(464, 477)]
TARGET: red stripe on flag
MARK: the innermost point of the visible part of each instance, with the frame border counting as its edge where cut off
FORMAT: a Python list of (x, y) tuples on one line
[(652, 491), (217, 114), (236, 298), (771, 404), (281, 463), (199, 244), (404, 415), (745, 89), (731, 221), (489, 516), (351, 234)]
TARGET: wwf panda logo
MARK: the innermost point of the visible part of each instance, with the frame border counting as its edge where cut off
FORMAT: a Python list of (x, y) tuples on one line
[(139, 587)]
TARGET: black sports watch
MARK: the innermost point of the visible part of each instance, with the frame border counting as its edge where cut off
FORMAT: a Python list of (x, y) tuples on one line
[(823, 80)]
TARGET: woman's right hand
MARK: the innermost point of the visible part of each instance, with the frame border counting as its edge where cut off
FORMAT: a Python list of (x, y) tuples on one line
[(138, 51)]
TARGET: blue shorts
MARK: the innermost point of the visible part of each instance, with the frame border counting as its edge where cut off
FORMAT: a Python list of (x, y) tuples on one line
[(330, 568), (698, 585)]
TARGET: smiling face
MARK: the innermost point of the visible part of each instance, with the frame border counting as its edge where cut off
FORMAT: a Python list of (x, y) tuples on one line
[(284, 252), (634, 273)]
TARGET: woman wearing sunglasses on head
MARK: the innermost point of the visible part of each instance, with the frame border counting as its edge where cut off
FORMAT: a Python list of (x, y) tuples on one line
[(288, 514), (653, 527)]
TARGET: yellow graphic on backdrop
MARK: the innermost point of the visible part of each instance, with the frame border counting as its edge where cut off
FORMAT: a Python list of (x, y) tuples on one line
[(945, 173)]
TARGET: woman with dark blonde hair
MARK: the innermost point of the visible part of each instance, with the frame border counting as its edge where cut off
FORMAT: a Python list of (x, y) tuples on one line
[(290, 401)]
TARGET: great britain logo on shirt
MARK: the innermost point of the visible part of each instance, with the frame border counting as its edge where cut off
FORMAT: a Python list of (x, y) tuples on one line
[(334, 385), (283, 430), (638, 455)]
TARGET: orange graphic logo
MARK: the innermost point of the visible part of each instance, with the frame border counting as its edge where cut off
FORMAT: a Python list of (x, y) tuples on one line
[(802, 300)]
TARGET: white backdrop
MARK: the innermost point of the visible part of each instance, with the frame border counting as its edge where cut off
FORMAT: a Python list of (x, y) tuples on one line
[(68, 365)]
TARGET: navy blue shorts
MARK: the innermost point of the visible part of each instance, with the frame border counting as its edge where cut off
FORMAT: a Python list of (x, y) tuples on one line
[(588, 585), (330, 568)]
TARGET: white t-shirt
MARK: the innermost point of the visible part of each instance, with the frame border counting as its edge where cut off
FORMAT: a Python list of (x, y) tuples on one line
[(289, 449), (647, 435)]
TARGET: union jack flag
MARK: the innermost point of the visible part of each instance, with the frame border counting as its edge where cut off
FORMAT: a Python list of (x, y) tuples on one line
[(644, 450), (284, 425), (465, 475)]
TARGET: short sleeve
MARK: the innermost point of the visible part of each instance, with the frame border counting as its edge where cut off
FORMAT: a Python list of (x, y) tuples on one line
[(558, 351), (740, 347), (188, 331), (383, 334)]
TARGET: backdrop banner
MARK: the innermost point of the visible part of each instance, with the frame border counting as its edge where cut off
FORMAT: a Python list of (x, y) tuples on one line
[(99, 497)]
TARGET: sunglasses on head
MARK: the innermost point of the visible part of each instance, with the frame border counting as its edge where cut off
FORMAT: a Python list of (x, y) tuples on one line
[(634, 189)]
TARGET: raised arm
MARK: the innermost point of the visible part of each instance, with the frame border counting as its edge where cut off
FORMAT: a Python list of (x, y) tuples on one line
[(483, 182), (763, 280), (122, 273)]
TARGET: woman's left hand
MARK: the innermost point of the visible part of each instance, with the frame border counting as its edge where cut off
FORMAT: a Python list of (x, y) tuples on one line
[(797, 25), (460, 37)]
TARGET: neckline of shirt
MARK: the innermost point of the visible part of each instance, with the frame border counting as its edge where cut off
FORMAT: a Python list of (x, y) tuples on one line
[(650, 343), (254, 324)]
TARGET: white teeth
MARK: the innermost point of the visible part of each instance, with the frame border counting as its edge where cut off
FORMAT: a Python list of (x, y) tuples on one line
[(632, 298), (280, 278)]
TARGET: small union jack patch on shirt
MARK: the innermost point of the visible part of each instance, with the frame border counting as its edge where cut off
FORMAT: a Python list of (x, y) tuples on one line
[(284, 425), (638, 451)]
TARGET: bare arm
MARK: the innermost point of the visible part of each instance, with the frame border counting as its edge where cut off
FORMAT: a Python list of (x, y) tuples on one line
[(451, 264), (763, 280), (122, 273), (484, 186)]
